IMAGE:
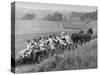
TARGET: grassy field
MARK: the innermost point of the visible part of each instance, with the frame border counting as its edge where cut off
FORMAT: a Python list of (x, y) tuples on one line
[(29, 29), (83, 57)]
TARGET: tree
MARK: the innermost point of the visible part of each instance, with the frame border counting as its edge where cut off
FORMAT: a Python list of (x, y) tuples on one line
[(54, 17), (29, 16), (89, 16)]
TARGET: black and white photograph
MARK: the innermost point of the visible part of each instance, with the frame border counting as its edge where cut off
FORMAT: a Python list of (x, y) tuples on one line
[(53, 37)]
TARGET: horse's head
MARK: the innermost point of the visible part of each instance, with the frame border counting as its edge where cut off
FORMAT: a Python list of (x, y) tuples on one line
[(90, 31), (81, 32)]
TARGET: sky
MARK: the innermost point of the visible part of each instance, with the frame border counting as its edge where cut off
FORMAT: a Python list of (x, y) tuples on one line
[(77, 8)]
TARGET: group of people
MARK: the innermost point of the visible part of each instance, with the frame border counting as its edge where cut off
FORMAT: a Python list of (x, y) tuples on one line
[(54, 43), (46, 43)]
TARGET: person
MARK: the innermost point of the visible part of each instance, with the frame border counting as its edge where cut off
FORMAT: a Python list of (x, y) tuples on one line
[(62, 35), (22, 53), (28, 43), (57, 39), (51, 44), (28, 49), (68, 39), (63, 39), (46, 42), (41, 44), (32, 43)]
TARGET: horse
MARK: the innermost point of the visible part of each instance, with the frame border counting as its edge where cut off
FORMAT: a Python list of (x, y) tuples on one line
[(77, 38), (87, 35), (81, 37)]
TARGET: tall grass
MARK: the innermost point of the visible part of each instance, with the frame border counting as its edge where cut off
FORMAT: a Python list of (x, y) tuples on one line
[(83, 57)]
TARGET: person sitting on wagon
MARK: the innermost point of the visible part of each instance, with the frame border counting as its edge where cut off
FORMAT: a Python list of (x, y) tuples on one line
[(29, 48), (56, 40), (41, 44), (26, 51), (51, 44), (68, 39), (63, 39), (34, 43), (46, 42), (28, 45), (62, 35)]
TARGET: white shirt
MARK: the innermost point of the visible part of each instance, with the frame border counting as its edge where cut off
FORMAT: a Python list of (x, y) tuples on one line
[(28, 46), (51, 43)]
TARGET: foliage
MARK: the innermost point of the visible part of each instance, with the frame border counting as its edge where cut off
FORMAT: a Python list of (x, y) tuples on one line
[(83, 57), (54, 17), (89, 16), (29, 16)]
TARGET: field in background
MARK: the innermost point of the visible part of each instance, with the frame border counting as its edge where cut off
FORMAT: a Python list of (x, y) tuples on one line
[(84, 57), (29, 29)]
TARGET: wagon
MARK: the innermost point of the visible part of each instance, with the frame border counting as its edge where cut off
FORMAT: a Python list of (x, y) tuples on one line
[(38, 55)]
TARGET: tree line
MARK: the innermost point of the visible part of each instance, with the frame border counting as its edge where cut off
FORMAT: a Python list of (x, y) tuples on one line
[(57, 16)]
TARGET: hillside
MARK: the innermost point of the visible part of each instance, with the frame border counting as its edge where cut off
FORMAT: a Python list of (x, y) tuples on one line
[(84, 57), (29, 29)]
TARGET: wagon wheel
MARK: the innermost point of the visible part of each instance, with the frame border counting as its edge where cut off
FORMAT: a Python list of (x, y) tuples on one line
[(40, 58), (49, 52), (33, 56), (58, 49), (46, 54)]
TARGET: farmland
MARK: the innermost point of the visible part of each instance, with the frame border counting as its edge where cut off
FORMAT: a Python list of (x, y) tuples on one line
[(80, 58), (84, 57), (29, 29), (53, 37)]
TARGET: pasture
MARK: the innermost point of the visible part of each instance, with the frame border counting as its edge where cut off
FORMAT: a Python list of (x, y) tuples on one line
[(83, 57), (29, 29), (53, 37)]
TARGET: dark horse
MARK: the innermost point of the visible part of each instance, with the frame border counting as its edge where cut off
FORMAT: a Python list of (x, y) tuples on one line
[(76, 38), (81, 37), (87, 36)]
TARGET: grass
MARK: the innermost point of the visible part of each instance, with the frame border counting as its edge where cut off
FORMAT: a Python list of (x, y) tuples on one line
[(81, 58), (84, 57), (27, 30), (21, 39)]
